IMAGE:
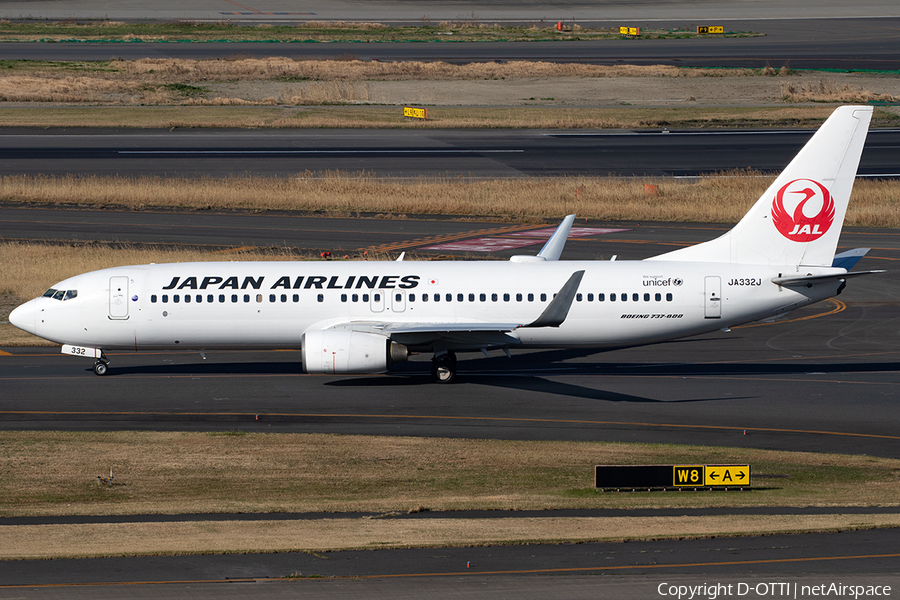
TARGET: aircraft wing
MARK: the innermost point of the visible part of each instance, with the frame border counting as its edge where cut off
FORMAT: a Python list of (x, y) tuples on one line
[(501, 333)]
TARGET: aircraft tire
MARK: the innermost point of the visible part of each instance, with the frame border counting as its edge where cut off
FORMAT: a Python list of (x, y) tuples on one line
[(443, 368), (101, 368)]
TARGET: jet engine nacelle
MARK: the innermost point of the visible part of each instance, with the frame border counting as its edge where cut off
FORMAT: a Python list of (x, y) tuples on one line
[(340, 351)]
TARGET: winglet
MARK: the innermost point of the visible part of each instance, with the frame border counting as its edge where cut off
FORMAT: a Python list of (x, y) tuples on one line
[(554, 246), (558, 309)]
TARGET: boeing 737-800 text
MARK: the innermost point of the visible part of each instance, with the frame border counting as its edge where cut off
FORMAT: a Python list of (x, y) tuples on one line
[(361, 317)]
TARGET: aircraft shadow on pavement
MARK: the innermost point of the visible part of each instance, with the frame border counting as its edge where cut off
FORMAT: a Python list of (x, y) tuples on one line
[(534, 372)]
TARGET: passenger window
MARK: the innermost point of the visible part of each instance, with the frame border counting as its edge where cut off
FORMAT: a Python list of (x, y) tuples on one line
[(221, 297), (531, 297), (284, 297), (355, 297), (176, 298), (646, 297), (590, 297), (623, 297), (668, 297), (211, 298), (578, 297), (448, 297), (425, 297), (234, 297), (612, 297), (459, 297), (165, 298), (482, 297), (296, 298), (471, 297), (543, 297), (343, 297), (272, 298), (518, 297), (199, 298), (506, 297), (153, 299), (412, 297), (635, 297), (187, 298), (658, 297), (398, 297), (365, 297), (601, 297), (377, 297), (246, 297), (321, 297)]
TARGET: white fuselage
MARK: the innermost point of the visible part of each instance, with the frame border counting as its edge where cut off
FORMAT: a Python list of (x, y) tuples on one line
[(271, 304)]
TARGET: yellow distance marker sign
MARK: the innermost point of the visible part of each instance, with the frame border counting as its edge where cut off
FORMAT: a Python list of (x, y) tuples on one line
[(727, 475), (629, 31), (415, 113), (707, 29)]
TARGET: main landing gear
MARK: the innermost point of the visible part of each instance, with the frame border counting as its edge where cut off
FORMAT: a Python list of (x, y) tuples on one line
[(101, 366), (443, 367)]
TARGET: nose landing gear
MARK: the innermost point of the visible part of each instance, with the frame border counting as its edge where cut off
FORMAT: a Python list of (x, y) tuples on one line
[(101, 366)]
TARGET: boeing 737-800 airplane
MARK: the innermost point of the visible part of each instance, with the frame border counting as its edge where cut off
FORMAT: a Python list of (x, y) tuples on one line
[(361, 317)]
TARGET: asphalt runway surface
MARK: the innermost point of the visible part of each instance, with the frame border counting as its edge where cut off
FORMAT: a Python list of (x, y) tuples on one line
[(413, 153), (633, 570), (424, 11)]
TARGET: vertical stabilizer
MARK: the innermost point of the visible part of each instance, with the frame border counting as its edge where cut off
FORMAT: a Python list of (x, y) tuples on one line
[(798, 220)]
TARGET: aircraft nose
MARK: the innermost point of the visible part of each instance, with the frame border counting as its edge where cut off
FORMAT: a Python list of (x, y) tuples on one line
[(23, 317)]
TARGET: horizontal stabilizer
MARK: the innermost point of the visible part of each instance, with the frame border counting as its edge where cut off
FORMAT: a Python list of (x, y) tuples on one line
[(808, 280)]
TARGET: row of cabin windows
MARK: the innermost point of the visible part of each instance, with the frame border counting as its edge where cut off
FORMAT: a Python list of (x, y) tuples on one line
[(613, 297)]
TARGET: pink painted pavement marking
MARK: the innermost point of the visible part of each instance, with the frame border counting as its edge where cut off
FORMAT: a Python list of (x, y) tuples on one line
[(484, 244), (520, 239), (574, 232)]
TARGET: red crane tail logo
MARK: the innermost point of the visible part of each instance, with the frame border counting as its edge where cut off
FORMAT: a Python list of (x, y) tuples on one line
[(803, 210)]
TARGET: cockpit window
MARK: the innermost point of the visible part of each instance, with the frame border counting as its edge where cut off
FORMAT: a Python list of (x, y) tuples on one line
[(60, 294)]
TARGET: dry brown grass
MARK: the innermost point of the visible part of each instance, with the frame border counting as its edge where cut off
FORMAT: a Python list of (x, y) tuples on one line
[(829, 91), (55, 473), (324, 535), (156, 80), (720, 199), (185, 70)]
